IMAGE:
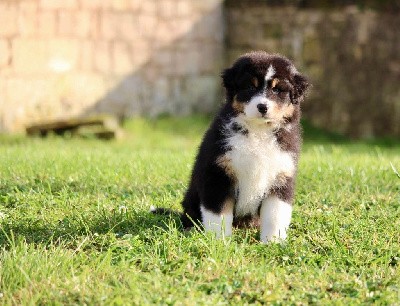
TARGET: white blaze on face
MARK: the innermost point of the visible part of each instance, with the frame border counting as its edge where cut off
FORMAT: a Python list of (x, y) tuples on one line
[(268, 76), (250, 109)]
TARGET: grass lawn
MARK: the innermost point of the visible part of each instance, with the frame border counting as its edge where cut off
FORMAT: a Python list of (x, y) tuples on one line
[(75, 227)]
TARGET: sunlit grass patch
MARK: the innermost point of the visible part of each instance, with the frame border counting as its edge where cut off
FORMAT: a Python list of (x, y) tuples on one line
[(75, 226)]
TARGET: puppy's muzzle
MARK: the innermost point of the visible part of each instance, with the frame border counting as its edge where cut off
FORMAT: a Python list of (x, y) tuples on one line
[(262, 108)]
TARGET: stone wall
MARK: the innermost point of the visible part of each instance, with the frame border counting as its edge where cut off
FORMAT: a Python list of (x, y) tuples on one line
[(61, 58), (351, 56)]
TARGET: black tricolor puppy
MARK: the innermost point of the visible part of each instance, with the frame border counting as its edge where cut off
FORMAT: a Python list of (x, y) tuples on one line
[(245, 169)]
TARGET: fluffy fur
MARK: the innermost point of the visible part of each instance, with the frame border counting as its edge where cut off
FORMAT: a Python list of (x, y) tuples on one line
[(244, 173)]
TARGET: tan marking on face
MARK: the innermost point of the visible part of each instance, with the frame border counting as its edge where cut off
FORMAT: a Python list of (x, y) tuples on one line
[(238, 106), (287, 110), (280, 111), (254, 81), (226, 163), (274, 82)]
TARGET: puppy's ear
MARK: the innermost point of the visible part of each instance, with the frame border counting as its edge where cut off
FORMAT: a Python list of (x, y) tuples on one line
[(301, 85), (228, 78)]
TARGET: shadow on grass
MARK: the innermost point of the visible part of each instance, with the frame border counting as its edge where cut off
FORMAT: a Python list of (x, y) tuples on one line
[(105, 227)]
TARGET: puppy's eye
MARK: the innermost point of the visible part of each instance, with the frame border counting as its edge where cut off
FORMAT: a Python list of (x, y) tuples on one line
[(250, 87), (254, 82), (276, 90)]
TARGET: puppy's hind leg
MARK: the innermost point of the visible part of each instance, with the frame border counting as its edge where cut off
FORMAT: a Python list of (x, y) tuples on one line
[(219, 223), (191, 209)]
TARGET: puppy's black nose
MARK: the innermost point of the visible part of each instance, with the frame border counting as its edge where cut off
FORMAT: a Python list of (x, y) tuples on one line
[(262, 108)]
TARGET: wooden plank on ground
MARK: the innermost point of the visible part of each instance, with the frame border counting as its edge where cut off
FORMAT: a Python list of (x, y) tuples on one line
[(106, 127)]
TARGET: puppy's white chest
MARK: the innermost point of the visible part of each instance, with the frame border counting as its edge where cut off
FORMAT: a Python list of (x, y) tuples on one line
[(256, 160)]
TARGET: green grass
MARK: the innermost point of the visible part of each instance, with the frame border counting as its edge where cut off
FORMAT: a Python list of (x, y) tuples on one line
[(75, 227)]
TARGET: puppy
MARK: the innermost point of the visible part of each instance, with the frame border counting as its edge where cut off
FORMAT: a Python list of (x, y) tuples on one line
[(244, 173)]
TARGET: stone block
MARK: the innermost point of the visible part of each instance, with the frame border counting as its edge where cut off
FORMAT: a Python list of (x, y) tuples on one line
[(176, 88), (163, 35), (8, 17), (141, 52), (29, 56), (160, 96), (86, 55), (28, 4), (151, 72), (211, 58), (135, 5), (206, 5), (66, 22), (204, 92), (181, 94), (127, 26), (25, 97), (76, 23), (166, 9), (149, 7), (164, 60), (181, 27), (59, 4), (86, 24), (108, 25), (124, 96), (5, 52), (102, 56), (147, 25), (3, 83), (45, 98), (122, 58), (63, 55), (188, 63), (183, 8), (210, 26), (3, 110), (93, 4), (80, 91), (27, 19), (4, 123), (26, 91), (47, 22), (120, 5)]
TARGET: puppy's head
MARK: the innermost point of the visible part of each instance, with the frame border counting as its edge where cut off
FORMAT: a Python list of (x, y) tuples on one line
[(264, 88)]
